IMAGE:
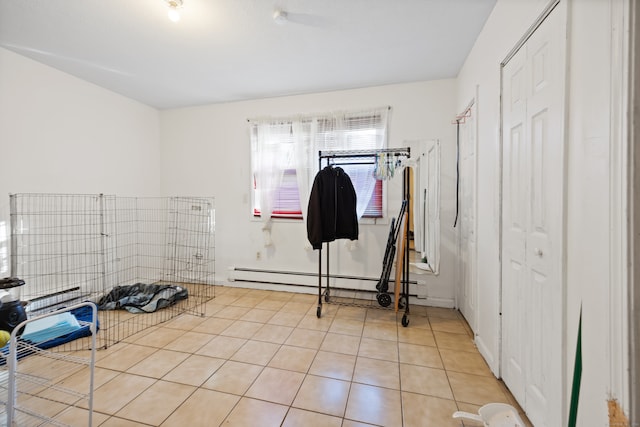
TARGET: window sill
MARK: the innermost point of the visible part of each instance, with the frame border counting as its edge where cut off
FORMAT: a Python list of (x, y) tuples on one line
[(363, 221)]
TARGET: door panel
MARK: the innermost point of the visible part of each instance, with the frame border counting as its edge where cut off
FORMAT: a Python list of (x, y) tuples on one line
[(514, 220), (545, 115), (513, 349), (532, 209)]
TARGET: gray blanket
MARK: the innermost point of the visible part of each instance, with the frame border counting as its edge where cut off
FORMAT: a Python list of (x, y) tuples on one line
[(142, 298)]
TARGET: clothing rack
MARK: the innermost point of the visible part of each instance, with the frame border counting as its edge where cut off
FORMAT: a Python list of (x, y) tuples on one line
[(341, 157)]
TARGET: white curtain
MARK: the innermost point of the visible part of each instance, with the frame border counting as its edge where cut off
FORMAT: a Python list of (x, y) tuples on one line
[(374, 137), (305, 160), (270, 163), (339, 131)]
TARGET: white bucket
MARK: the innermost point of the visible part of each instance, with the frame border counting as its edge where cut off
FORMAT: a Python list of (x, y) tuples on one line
[(493, 415)]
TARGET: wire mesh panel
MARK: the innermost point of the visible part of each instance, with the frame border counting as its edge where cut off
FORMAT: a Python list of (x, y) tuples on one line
[(164, 241), (135, 245), (70, 248), (190, 254), (56, 248)]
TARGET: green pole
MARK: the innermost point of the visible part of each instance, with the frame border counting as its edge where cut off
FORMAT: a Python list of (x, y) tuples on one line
[(577, 376)]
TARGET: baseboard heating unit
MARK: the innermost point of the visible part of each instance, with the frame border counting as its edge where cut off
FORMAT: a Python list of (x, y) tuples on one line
[(307, 281)]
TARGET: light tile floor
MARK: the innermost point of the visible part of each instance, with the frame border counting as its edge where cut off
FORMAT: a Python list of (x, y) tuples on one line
[(262, 358)]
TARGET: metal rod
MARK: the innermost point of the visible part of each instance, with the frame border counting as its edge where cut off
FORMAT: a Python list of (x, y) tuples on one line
[(328, 277), (303, 273), (405, 273), (404, 151), (14, 235), (319, 277), (103, 244), (530, 31), (353, 163)]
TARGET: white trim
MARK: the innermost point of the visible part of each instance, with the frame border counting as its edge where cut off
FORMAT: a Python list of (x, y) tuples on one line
[(476, 178), (633, 184), (618, 348), (547, 10), (486, 352)]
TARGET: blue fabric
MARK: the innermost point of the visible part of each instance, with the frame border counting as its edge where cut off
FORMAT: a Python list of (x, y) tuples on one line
[(82, 314)]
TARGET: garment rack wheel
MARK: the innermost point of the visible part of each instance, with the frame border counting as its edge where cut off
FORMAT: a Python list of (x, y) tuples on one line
[(384, 300), (405, 320), (319, 311)]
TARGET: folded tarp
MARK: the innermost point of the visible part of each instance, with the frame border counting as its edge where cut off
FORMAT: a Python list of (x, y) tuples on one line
[(142, 298)]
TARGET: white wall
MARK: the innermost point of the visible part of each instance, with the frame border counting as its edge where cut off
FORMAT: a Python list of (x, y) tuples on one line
[(588, 187), (206, 151), (60, 134), (593, 209)]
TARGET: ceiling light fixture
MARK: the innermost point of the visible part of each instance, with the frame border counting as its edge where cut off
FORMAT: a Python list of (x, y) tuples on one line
[(174, 9), (280, 16)]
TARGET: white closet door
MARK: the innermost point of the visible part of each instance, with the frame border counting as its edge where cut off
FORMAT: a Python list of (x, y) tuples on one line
[(532, 209), (467, 218), (514, 205)]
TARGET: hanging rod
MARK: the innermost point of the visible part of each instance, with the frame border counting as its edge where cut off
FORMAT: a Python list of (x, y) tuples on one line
[(406, 151), (352, 163)]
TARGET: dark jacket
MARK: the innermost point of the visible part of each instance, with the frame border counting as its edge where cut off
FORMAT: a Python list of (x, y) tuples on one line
[(332, 208)]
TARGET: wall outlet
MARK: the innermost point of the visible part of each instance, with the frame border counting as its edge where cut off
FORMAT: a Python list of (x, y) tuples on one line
[(258, 255)]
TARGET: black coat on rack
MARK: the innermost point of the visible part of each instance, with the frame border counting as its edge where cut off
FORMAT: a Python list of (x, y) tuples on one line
[(331, 213)]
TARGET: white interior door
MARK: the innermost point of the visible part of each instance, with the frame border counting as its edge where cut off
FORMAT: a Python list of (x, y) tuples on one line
[(468, 296), (532, 223)]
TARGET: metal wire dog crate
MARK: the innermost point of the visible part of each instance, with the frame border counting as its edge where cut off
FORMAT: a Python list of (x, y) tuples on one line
[(69, 248)]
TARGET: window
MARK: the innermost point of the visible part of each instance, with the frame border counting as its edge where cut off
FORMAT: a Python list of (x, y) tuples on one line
[(284, 154)]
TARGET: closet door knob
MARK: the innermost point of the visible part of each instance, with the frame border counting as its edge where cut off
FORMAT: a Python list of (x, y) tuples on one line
[(538, 252)]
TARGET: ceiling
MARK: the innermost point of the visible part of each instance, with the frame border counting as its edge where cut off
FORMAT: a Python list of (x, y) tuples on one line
[(229, 50)]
